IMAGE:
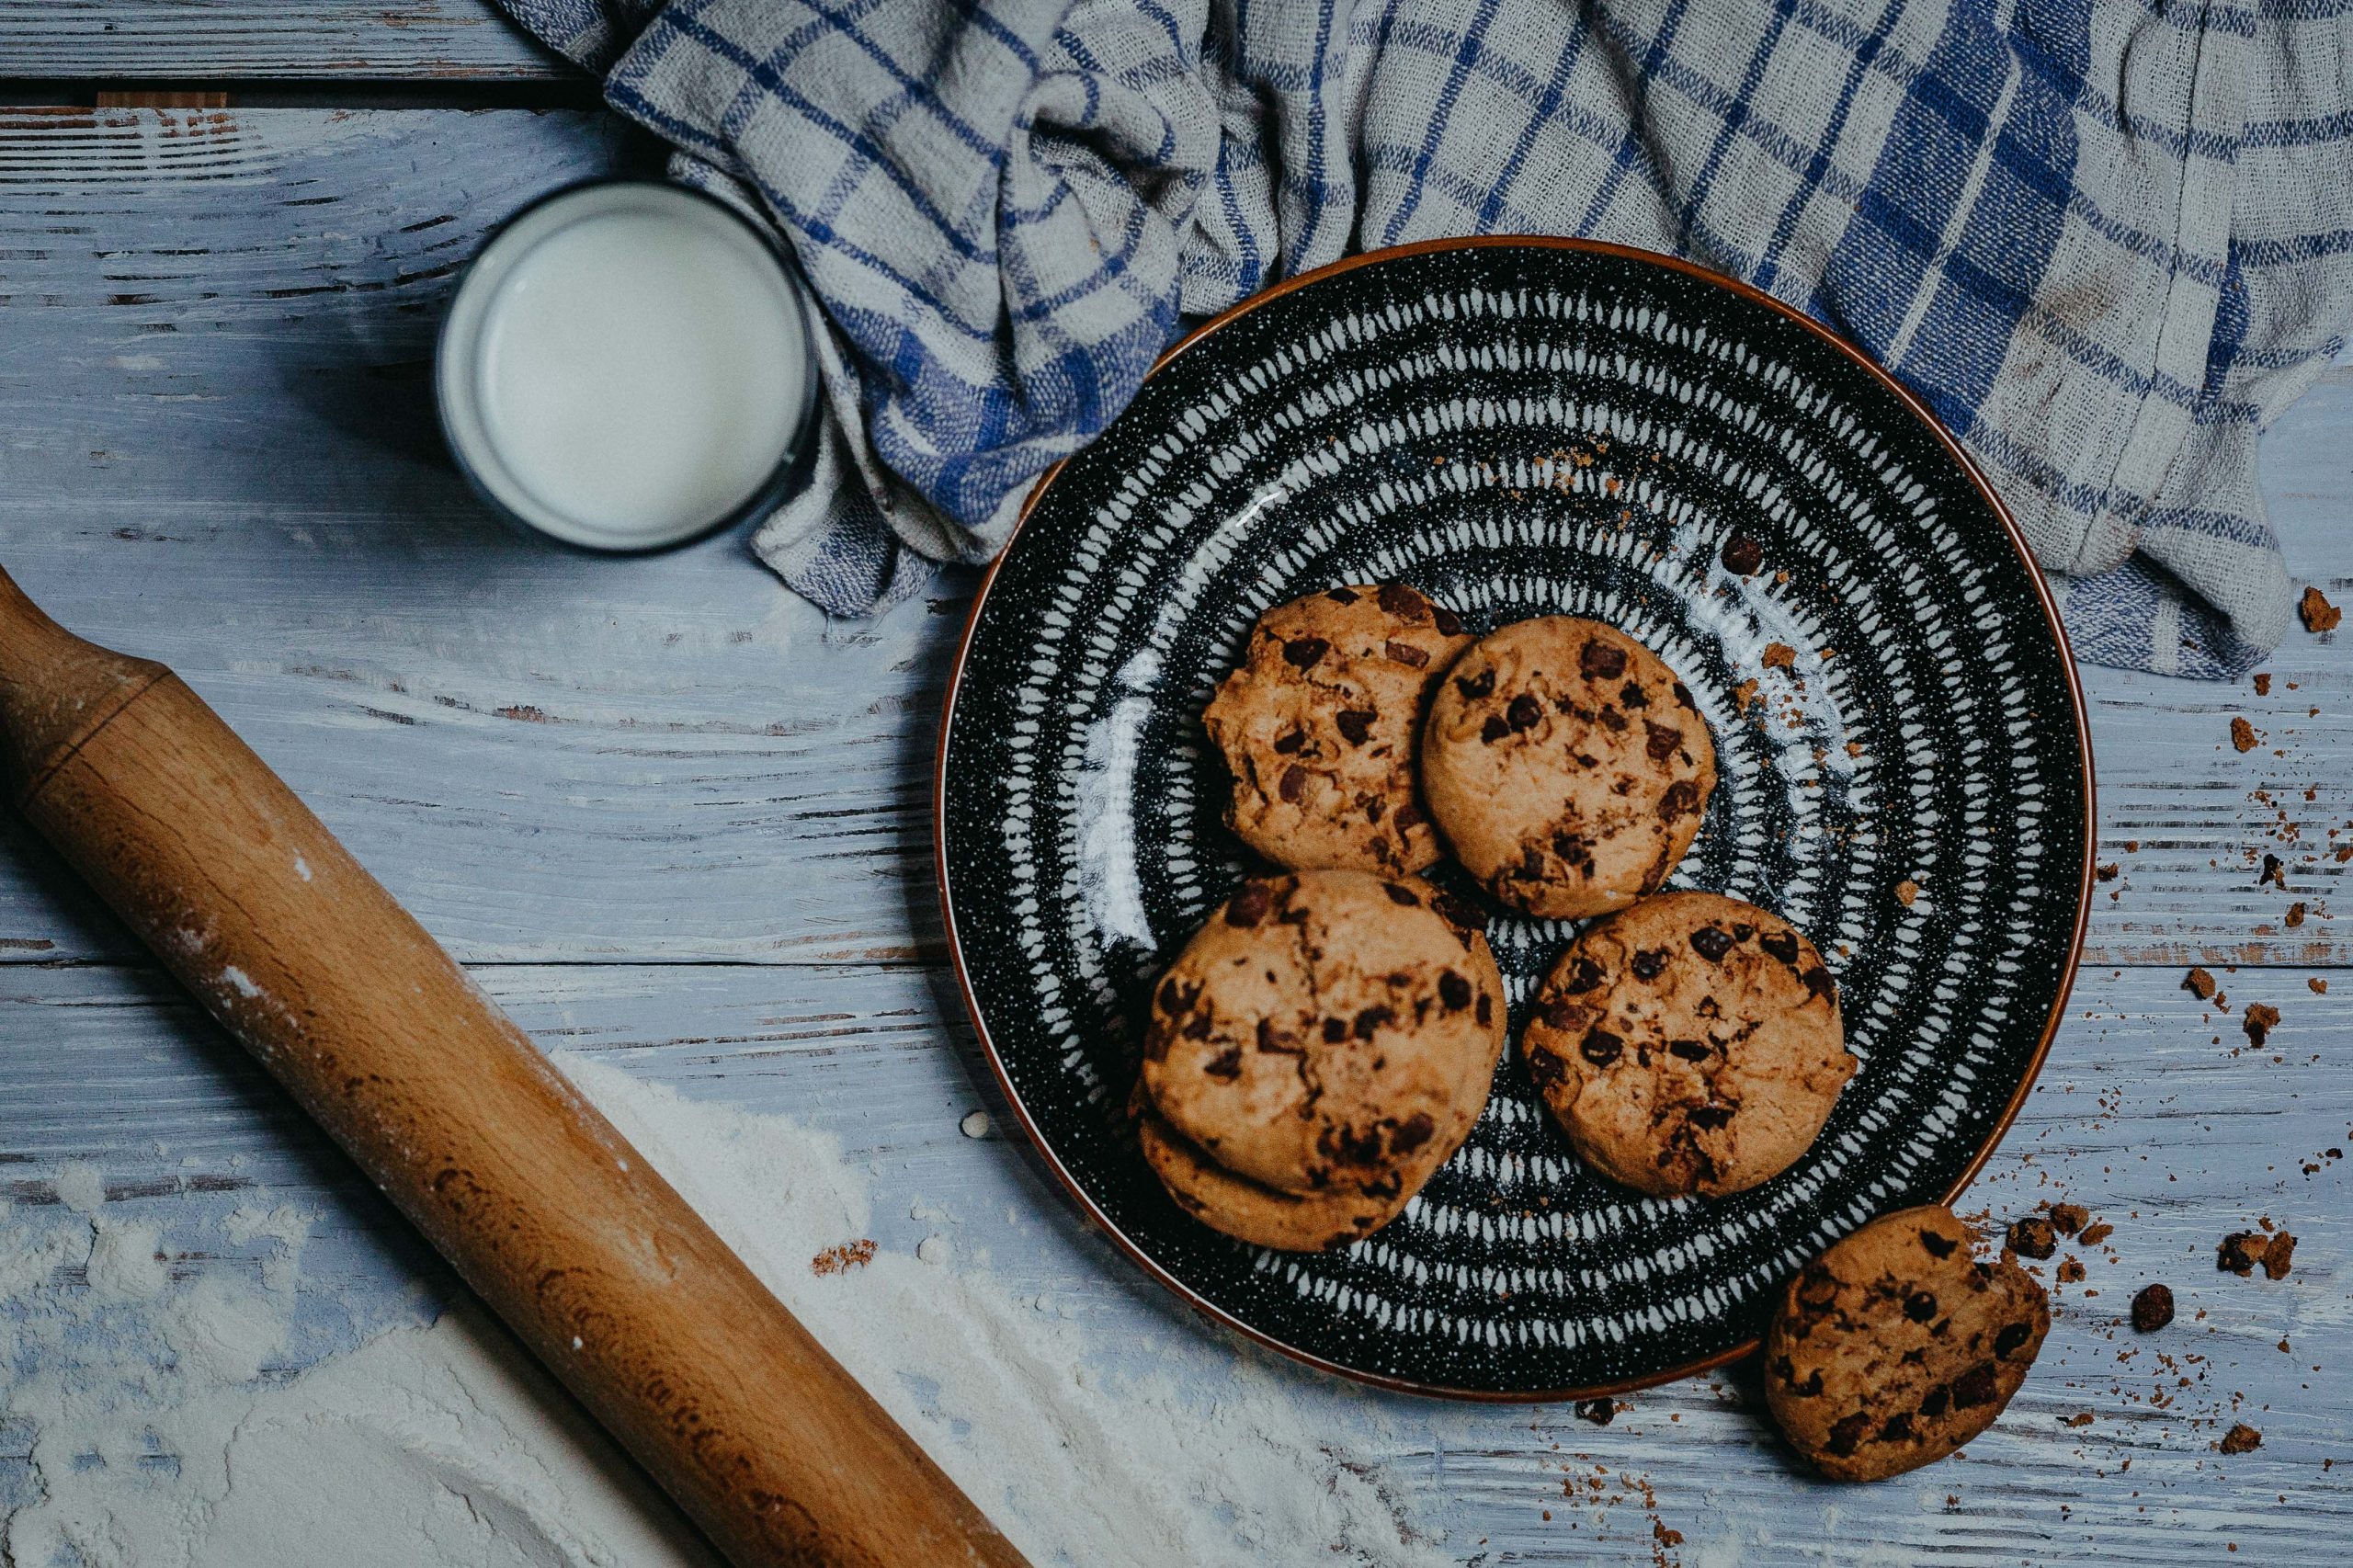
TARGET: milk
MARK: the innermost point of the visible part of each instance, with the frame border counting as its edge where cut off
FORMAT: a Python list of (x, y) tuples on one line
[(626, 367)]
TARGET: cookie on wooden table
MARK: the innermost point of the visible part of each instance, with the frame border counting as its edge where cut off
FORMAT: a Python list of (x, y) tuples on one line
[(1691, 1044), (1318, 726), (1325, 1025), (1898, 1346), (1567, 767)]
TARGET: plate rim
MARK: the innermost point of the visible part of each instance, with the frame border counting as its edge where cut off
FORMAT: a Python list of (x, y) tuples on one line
[(1094, 1214)]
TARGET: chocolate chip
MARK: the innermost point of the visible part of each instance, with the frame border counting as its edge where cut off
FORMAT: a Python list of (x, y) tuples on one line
[(1846, 1432), (1612, 721), (1544, 1067), (1342, 595), (1920, 1306), (1485, 1010), (1334, 1030), (2013, 1334), (1742, 555), (1406, 654), (1896, 1429), (1409, 815), (1372, 1019), (1819, 984), (1711, 943), (1742, 930), (1476, 688), (1559, 1015), (1303, 652), (1294, 782), (1682, 798), (1782, 945), (1663, 741), (1975, 1386), (1710, 1116), (1573, 851), (1291, 741), (1197, 1026), (1938, 1246), (1175, 997), (1404, 602), (1355, 723), (1632, 695), (1648, 964), (1524, 712), (1601, 1047), (1683, 696), (1457, 912), (1226, 1066), (1400, 895), (1453, 991), (1448, 623), (1934, 1404), (2032, 1237), (1494, 729), (1817, 1287), (1249, 906), (1411, 1133), (1600, 661), (1689, 1050), (1584, 977), (1598, 1411), (1352, 1145)]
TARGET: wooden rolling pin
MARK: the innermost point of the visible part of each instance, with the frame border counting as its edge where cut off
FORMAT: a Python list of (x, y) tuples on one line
[(590, 1256)]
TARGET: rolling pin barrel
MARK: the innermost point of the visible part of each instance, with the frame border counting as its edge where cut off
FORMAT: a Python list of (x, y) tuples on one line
[(587, 1254)]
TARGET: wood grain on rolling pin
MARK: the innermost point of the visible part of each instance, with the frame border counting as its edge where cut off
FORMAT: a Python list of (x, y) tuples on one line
[(592, 1258)]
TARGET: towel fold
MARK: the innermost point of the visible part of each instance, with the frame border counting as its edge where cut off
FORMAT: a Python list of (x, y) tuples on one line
[(2106, 244)]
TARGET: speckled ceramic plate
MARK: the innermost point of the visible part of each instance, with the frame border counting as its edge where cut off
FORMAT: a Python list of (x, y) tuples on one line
[(1523, 428)]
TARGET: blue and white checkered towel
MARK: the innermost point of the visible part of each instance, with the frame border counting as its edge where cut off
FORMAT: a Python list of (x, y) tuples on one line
[(2106, 244)]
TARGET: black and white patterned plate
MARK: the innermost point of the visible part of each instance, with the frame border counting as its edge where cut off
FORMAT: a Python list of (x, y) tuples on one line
[(1528, 428)]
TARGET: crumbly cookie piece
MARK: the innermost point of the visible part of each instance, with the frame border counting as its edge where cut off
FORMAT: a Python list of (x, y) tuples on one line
[(1326, 1025), (1897, 1346), (1692, 1043), (1266, 1216), (1318, 723), (1566, 766)]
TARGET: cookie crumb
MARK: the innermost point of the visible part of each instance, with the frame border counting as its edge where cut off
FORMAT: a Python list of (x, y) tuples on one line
[(2243, 1439), (2153, 1308), (2258, 1020), (2034, 1237), (2263, 685), (2317, 614), (2279, 1257), (2069, 1218), (2198, 983), (2295, 917), (2319, 986), (2240, 1251), (2243, 736), (1600, 1412), (849, 1256), (1780, 656), (2106, 873), (2081, 1418), (2095, 1234), (2071, 1271), (1906, 891)]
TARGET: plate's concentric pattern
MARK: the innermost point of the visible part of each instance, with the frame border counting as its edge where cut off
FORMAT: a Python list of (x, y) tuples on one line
[(1522, 428)]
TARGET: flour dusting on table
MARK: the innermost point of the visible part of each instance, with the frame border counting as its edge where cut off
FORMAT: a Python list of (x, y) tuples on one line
[(157, 1440)]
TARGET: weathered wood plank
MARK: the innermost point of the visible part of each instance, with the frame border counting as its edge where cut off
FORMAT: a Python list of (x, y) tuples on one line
[(217, 446), (2142, 1117), (252, 40)]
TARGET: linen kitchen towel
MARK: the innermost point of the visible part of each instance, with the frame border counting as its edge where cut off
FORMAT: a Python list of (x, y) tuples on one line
[(2105, 244)]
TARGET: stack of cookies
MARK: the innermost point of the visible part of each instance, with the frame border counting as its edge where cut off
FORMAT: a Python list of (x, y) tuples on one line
[(1686, 1043)]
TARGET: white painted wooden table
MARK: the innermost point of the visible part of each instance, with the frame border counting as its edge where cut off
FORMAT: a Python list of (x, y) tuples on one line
[(672, 818)]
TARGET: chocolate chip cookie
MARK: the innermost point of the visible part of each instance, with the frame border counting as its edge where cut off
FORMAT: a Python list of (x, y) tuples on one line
[(1266, 1216), (1897, 1347), (1691, 1044), (1325, 1027), (1318, 727), (1566, 766)]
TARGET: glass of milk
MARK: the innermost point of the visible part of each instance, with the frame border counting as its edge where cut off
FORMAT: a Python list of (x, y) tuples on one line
[(627, 367)]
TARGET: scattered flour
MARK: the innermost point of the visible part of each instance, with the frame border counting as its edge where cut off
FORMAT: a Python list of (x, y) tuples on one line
[(81, 1186), (157, 1440)]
